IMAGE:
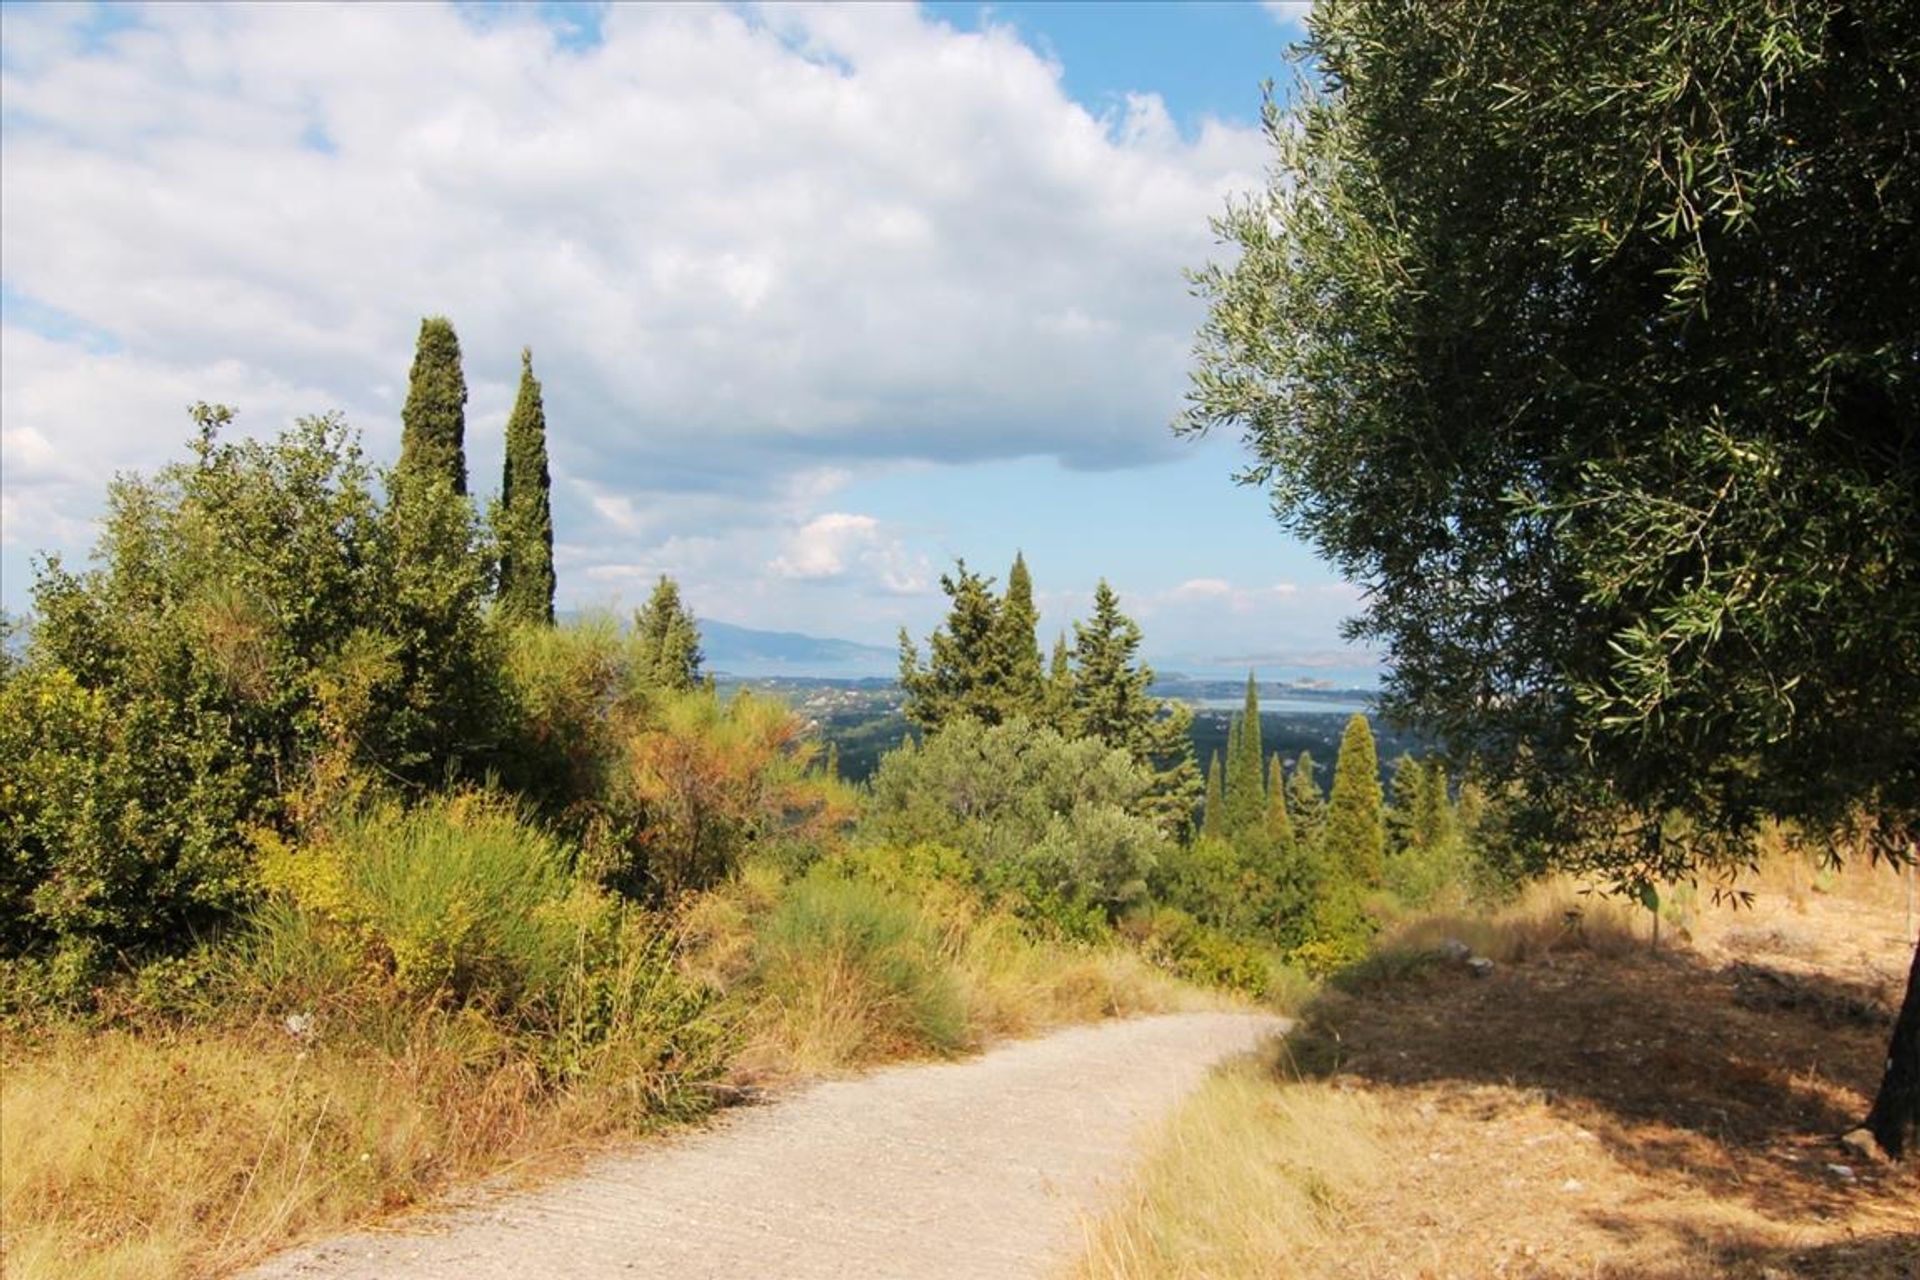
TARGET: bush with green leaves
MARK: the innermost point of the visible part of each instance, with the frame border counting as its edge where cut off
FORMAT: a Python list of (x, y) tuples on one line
[(849, 941), (258, 626), (1048, 816)]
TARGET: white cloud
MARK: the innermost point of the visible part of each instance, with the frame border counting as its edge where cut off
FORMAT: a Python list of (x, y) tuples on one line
[(838, 545), (745, 246), (1287, 12)]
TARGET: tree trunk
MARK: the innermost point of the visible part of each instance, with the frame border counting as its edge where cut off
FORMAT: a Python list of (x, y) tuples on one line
[(1895, 1118)]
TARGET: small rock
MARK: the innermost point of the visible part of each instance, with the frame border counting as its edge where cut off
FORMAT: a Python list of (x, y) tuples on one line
[(1573, 1184), (300, 1025), (1861, 1142), (1840, 1171), (1456, 951), (1481, 966)]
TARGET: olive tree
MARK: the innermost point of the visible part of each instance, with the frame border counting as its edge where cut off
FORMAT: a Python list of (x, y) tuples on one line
[(1582, 335)]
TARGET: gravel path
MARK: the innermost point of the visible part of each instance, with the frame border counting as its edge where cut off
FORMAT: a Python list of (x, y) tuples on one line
[(977, 1169)]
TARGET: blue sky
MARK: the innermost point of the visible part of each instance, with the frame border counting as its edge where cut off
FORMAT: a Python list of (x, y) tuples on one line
[(822, 298)]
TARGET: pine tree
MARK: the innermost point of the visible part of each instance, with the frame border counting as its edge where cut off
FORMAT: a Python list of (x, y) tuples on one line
[(1279, 825), (433, 423), (669, 638), (1433, 820), (1111, 702), (963, 672), (1022, 687), (1246, 793), (1213, 816), (526, 512), (1308, 807), (1355, 835)]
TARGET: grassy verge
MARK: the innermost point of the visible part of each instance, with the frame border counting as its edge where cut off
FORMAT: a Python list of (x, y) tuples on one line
[(1593, 1106)]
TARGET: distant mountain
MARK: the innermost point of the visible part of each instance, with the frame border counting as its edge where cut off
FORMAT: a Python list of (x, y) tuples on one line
[(744, 651)]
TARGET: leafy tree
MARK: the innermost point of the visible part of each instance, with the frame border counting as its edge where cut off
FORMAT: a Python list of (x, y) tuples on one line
[(1583, 337), (1022, 685), (1246, 799), (963, 677), (1355, 835), (669, 638), (526, 511), (433, 422)]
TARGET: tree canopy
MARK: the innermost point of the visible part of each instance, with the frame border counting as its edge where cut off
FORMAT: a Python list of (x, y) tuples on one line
[(1583, 336)]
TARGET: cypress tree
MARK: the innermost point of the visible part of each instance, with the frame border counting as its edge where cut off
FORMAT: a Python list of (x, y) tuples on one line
[(526, 511), (1213, 816), (1308, 807), (1023, 689), (1433, 821), (1246, 795), (433, 423), (1059, 691), (669, 638), (1355, 836), (1408, 797), (1279, 825)]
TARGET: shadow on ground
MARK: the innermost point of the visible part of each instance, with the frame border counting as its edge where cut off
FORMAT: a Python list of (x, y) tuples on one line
[(1736, 1078)]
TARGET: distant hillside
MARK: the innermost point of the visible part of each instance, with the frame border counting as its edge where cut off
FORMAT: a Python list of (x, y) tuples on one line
[(744, 651)]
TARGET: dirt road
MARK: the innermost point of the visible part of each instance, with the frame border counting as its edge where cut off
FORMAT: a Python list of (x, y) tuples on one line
[(974, 1169)]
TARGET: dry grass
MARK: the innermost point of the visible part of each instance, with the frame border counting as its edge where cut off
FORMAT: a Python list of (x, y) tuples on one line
[(1594, 1108), (1246, 1180), (190, 1154)]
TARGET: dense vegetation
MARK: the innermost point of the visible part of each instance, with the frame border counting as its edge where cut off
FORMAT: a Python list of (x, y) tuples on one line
[(301, 762)]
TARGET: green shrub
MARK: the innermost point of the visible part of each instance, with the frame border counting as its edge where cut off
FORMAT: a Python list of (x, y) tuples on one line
[(1177, 942), (1053, 818), (869, 953), (456, 900)]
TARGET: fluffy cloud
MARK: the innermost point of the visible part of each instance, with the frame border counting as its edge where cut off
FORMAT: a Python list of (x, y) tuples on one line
[(744, 245), (836, 545)]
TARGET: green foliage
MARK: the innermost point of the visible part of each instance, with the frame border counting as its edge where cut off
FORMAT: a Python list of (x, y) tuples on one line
[(455, 899), (1213, 814), (525, 522), (1306, 803), (257, 634), (669, 638), (1176, 941), (966, 673), (1111, 703), (871, 951), (698, 782), (577, 692), (1038, 813), (1354, 839), (1023, 686), (1279, 823), (433, 422), (1583, 337)]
